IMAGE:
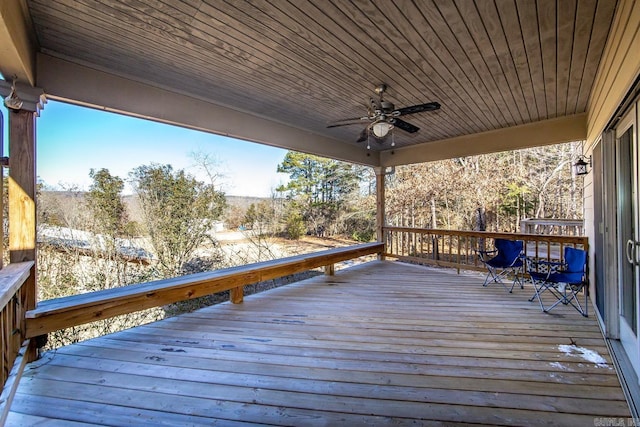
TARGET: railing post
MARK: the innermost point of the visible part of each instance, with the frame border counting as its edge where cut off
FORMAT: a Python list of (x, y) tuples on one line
[(22, 202), (459, 248), (380, 173)]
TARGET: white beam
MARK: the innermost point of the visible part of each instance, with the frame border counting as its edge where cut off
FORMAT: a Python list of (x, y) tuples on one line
[(545, 132), (17, 46), (78, 84)]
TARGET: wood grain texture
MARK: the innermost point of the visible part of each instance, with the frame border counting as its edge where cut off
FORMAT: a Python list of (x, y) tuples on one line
[(15, 283), (382, 343), (22, 218), (12, 380), (491, 64), (619, 67), (22, 187), (12, 277), (59, 313)]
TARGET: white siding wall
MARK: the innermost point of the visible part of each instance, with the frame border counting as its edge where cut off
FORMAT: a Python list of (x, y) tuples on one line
[(619, 68)]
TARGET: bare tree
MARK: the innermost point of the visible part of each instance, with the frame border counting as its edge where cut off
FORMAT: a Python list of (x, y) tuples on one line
[(179, 213), (492, 191)]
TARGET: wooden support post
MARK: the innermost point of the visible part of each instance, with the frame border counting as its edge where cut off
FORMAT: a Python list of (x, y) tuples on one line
[(380, 207), (458, 258), (329, 270), (1, 187), (236, 295), (22, 202)]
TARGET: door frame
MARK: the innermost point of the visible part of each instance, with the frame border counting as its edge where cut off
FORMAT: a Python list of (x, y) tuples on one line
[(629, 340), (611, 320)]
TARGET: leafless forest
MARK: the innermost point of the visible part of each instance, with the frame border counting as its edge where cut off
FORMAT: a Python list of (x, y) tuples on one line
[(175, 225)]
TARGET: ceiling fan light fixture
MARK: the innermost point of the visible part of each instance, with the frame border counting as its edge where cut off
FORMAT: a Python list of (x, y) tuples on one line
[(381, 128)]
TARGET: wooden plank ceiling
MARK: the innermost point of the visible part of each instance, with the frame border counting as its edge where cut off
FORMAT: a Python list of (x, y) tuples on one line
[(490, 64)]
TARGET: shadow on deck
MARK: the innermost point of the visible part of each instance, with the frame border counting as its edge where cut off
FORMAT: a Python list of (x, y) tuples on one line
[(382, 343)]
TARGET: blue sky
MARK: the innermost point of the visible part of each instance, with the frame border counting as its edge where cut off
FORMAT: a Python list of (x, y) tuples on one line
[(72, 140)]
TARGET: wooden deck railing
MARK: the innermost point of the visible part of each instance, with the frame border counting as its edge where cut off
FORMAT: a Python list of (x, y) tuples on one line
[(558, 227), (18, 326), (52, 315), (12, 313), (457, 249), (12, 329)]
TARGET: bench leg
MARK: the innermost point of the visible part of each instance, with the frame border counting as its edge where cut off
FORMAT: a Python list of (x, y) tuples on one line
[(236, 295), (329, 270)]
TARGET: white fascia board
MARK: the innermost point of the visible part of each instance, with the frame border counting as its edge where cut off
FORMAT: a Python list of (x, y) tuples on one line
[(83, 85)]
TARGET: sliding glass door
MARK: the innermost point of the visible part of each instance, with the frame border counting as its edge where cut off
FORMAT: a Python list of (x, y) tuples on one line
[(628, 235)]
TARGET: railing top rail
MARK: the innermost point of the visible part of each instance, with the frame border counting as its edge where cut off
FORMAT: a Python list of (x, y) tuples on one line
[(558, 222), (12, 277), (74, 310), (489, 234), (551, 221)]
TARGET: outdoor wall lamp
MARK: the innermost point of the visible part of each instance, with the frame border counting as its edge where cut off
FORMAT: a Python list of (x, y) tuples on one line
[(580, 165), (12, 101)]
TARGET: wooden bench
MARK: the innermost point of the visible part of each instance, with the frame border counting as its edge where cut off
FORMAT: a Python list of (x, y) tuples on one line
[(60, 313)]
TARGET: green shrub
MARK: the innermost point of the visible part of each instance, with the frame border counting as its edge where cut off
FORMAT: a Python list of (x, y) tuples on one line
[(294, 227)]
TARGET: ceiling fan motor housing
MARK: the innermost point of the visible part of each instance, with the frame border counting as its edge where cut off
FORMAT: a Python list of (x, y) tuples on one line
[(386, 106)]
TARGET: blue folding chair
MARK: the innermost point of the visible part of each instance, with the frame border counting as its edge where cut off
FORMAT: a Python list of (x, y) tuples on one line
[(508, 259), (563, 280)]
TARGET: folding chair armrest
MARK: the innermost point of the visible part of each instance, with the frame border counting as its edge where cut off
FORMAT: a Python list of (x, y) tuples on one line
[(520, 257)]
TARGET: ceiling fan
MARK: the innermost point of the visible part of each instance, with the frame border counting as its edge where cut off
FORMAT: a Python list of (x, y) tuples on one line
[(383, 117)]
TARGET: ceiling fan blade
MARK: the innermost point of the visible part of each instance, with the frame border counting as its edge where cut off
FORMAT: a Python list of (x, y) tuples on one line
[(429, 106), (346, 122), (405, 126), (363, 135)]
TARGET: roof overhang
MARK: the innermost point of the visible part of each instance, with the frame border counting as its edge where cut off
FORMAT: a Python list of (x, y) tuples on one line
[(508, 75), (17, 48), (69, 82), (545, 132)]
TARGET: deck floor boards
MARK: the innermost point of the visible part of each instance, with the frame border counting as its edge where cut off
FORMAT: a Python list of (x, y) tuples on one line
[(382, 343)]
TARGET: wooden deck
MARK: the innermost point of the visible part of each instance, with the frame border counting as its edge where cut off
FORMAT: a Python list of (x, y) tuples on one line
[(380, 343)]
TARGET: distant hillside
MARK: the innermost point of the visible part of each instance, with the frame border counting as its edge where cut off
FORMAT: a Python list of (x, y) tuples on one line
[(72, 200), (244, 202)]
